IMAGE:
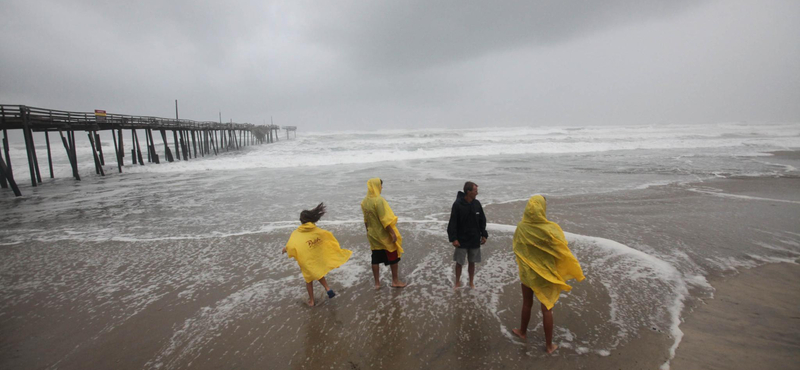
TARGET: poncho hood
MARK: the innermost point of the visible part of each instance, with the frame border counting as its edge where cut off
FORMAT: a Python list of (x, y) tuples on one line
[(374, 187), (536, 211)]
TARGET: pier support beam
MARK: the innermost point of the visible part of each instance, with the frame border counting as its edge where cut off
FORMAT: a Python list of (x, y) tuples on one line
[(72, 160), (137, 153), (26, 132), (3, 180), (49, 155), (177, 150), (99, 148), (152, 157), (194, 144), (5, 149), (133, 146), (183, 148), (98, 167), (121, 146), (117, 150), (167, 152), (8, 178)]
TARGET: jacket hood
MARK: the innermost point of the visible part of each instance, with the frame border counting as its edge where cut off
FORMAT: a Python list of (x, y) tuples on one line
[(461, 197), (374, 187), (535, 210)]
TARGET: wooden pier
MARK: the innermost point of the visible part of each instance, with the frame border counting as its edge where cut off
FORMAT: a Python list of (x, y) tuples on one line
[(190, 139)]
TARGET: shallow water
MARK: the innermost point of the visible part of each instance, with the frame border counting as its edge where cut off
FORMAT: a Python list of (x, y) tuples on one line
[(189, 251)]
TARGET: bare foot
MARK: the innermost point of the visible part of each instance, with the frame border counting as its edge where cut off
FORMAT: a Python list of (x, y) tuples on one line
[(377, 286), (399, 284), (472, 285), (458, 285), (519, 333), (310, 302), (551, 348)]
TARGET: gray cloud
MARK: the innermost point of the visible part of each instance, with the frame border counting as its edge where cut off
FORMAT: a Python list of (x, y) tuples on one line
[(416, 34), (396, 64)]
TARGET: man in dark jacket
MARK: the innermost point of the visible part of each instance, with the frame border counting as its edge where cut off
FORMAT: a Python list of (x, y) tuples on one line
[(467, 231)]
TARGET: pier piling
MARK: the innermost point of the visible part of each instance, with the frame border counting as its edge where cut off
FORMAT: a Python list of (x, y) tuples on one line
[(116, 149), (97, 165), (49, 156)]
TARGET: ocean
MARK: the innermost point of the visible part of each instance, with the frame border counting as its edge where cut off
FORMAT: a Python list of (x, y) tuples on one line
[(181, 261)]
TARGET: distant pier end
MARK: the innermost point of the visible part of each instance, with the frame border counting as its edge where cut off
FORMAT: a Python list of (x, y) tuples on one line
[(292, 129)]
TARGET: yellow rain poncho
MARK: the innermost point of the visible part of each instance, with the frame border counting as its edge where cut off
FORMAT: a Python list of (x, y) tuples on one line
[(377, 216), (545, 262), (316, 251)]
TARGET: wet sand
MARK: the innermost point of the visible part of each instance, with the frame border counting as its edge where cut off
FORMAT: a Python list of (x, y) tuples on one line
[(232, 303), (753, 322)]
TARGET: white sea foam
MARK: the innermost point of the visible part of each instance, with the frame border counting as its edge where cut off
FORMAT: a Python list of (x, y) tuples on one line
[(322, 149), (719, 193)]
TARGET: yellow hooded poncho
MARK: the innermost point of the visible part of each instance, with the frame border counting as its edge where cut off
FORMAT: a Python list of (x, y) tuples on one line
[(377, 216), (316, 251), (545, 262)]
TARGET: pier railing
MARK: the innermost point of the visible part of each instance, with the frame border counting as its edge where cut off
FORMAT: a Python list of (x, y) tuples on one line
[(40, 119)]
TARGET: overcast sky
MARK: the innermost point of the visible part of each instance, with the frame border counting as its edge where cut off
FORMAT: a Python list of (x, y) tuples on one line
[(329, 65)]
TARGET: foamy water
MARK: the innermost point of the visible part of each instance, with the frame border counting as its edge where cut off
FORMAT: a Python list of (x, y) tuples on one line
[(188, 229)]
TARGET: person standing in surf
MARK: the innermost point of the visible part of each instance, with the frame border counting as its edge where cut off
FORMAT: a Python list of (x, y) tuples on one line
[(384, 238), (545, 264), (316, 251), (466, 230)]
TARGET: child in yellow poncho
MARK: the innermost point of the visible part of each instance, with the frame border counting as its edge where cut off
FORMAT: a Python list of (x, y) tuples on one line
[(316, 251), (384, 238), (545, 264)]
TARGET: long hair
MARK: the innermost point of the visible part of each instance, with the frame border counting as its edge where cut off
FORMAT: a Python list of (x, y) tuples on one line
[(312, 215)]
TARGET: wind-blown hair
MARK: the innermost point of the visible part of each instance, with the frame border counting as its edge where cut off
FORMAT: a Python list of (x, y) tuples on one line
[(312, 215), (469, 185)]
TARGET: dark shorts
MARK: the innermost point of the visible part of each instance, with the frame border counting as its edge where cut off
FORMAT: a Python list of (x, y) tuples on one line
[(385, 257)]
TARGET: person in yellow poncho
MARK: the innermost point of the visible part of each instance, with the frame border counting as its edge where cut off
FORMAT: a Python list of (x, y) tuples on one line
[(316, 251), (545, 264), (384, 238)]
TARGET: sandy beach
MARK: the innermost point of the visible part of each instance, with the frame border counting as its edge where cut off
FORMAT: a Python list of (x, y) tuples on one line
[(752, 323)]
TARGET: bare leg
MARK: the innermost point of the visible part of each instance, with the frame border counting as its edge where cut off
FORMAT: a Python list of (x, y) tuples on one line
[(376, 269), (324, 283), (547, 322), (310, 288), (527, 302), (396, 283), (458, 276), (471, 270)]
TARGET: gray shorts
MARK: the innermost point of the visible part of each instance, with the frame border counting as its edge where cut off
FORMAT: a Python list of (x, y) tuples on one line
[(473, 255)]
